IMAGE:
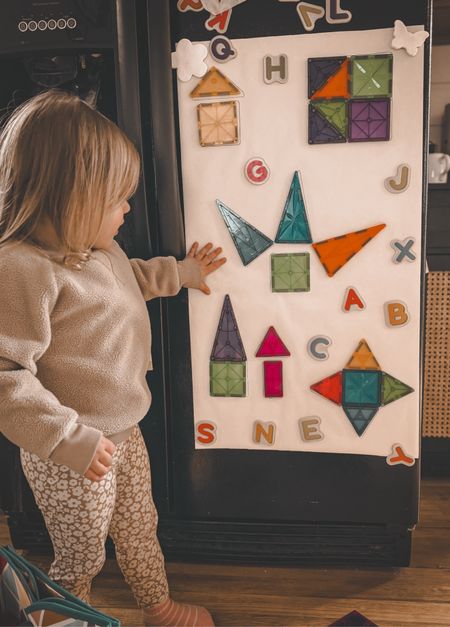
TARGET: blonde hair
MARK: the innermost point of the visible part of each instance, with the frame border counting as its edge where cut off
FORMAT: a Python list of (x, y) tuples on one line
[(62, 160)]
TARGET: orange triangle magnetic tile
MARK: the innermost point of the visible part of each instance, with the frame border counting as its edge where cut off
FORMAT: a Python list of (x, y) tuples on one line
[(337, 251), (363, 358), (337, 86), (215, 84)]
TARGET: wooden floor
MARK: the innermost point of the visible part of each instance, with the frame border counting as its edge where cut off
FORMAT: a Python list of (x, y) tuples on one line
[(253, 595)]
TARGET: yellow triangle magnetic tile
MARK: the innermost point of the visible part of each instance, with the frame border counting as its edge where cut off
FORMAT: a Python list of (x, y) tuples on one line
[(215, 85), (363, 358)]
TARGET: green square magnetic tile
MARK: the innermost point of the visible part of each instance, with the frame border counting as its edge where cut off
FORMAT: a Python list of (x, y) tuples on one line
[(361, 388), (290, 272), (227, 378), (371, 76)]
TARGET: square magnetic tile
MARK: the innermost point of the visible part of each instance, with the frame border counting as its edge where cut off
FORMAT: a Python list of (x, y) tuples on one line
[(227, 379), (369, 120), (371, 76), (290, 272), (218, 123), (361, 388)]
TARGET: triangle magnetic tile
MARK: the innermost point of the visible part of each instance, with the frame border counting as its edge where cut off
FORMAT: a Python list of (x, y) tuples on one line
[(320, 130), (228, 344), (272, 345), (337, 86), (320, 70), (249, 242), (353, 619), (363, 358), (360, 417), (335, 252), (330, 388), (214, 85), (294, 227), (335, 112), (392, 389)]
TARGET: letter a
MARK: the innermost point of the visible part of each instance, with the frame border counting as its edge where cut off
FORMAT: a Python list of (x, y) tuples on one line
[(353, 300)]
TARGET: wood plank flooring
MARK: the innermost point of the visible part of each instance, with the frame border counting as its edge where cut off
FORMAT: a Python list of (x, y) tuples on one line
[(418, 596)]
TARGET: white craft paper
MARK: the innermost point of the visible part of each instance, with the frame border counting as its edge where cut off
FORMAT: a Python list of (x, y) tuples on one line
[(343, 186)]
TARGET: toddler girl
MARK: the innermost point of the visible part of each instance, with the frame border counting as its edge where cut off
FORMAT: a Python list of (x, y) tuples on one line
[(75, 343)]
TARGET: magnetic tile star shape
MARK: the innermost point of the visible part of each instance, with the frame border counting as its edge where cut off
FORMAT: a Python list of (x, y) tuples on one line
[(361, 388)]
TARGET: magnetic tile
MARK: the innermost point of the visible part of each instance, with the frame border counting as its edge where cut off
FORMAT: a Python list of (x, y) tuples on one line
[(360, 417), (290, 272), (320, 130), (330, 388), (321, 70), (371, 76), (249, 242), (272, 345), (294, 226), (228, 344), (218, 123), (215, 85), (335, 112), (369, 120), (361, 388), (227, 378), (392, 389), (273, 379), (337, 86), (335, 252), (353, 619), (363, 358)]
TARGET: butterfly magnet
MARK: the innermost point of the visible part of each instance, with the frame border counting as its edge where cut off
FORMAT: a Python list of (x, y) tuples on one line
[(403, 38)]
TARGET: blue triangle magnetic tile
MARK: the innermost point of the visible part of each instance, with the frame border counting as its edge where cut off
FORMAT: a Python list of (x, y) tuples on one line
[(294, 227), (360, 417), (228, 344), (249, 242)]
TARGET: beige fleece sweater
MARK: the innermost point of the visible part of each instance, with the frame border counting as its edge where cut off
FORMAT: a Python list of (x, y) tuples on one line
[(75, 346)]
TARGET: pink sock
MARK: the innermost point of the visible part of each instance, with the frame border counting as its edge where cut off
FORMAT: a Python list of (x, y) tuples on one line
[(169, 613)]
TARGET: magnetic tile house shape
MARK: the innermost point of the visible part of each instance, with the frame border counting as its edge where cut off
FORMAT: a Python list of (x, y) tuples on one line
[(349, 98), (273, 346)]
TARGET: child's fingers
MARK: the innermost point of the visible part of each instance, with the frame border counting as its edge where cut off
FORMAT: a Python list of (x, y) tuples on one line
[(204, 251), (212, 267), (215, 253), (193, 250), (205, 289)]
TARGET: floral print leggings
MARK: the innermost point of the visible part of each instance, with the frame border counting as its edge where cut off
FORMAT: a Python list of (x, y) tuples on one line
[(79, 515)]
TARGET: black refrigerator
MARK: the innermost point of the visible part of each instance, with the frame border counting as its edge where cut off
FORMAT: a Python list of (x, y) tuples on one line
[(288, 133)]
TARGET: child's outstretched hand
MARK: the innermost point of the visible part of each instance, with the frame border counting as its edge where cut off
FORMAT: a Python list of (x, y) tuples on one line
[(207, 261)]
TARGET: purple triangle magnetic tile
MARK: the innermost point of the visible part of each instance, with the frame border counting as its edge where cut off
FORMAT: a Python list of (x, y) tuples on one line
[(228, 344)]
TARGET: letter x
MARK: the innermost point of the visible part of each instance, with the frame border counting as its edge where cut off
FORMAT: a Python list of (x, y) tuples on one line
[(403, 250)]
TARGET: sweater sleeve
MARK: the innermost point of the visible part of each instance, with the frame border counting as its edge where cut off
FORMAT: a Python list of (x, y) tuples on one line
[(30, 415), (165, 276)]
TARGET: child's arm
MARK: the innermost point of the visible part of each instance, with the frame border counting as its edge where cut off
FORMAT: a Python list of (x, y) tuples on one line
[(165, 276), (30, 415)]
